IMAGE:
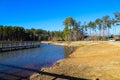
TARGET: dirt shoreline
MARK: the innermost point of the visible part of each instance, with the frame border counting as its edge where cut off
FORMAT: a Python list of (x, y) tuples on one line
[(90, 61), (60, 43)]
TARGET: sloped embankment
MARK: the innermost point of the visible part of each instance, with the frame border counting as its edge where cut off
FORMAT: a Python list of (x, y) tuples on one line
[(91, 60)]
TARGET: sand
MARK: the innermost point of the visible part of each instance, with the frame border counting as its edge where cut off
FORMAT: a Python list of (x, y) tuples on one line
[(92, 60)]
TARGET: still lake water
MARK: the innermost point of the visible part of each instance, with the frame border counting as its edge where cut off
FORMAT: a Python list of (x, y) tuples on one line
[(17, 64)]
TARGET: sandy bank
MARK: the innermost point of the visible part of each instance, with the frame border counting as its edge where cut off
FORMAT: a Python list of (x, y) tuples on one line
[(61, 43), (91, 60)]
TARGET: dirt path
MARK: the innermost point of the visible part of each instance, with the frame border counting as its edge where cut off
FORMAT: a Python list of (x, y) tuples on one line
[(92, 61)]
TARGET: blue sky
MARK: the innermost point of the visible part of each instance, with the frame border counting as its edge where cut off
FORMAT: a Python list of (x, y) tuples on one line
[(50, 14)]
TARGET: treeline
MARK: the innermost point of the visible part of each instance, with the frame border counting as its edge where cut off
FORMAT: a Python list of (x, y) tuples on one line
[(101, 29), (104, 28), (16, 33), (9, 33)]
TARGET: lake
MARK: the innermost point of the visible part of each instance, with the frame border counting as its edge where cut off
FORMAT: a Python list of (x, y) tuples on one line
[(21, 64)]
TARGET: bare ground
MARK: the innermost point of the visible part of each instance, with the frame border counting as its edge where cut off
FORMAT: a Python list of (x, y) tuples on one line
[(91, 60)]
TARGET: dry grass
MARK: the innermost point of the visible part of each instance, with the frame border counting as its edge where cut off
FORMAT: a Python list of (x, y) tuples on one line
[(90, 61)]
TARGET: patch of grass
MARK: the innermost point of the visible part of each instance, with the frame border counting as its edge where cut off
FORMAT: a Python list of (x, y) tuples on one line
[(67, 42), (80, 46)]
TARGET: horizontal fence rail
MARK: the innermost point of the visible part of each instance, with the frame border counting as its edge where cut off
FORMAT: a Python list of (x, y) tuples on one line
[(9, 46)]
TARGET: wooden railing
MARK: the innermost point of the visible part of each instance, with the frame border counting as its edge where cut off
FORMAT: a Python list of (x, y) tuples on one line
[(7, 46)]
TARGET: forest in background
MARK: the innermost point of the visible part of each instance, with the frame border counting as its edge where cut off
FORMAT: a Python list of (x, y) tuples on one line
[(73, 31), (16, 33)]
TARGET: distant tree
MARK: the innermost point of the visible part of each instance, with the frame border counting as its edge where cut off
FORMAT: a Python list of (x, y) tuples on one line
[(106, 23), (1, 32), (69, 23), (84, 26), (114, 24), (72, 30), (117, 15), (98, 23), (91, 25), (66, 33), (116, 20), (78, 31)]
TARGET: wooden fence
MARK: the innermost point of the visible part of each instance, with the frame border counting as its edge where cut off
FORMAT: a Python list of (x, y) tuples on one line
[(9, 46)]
